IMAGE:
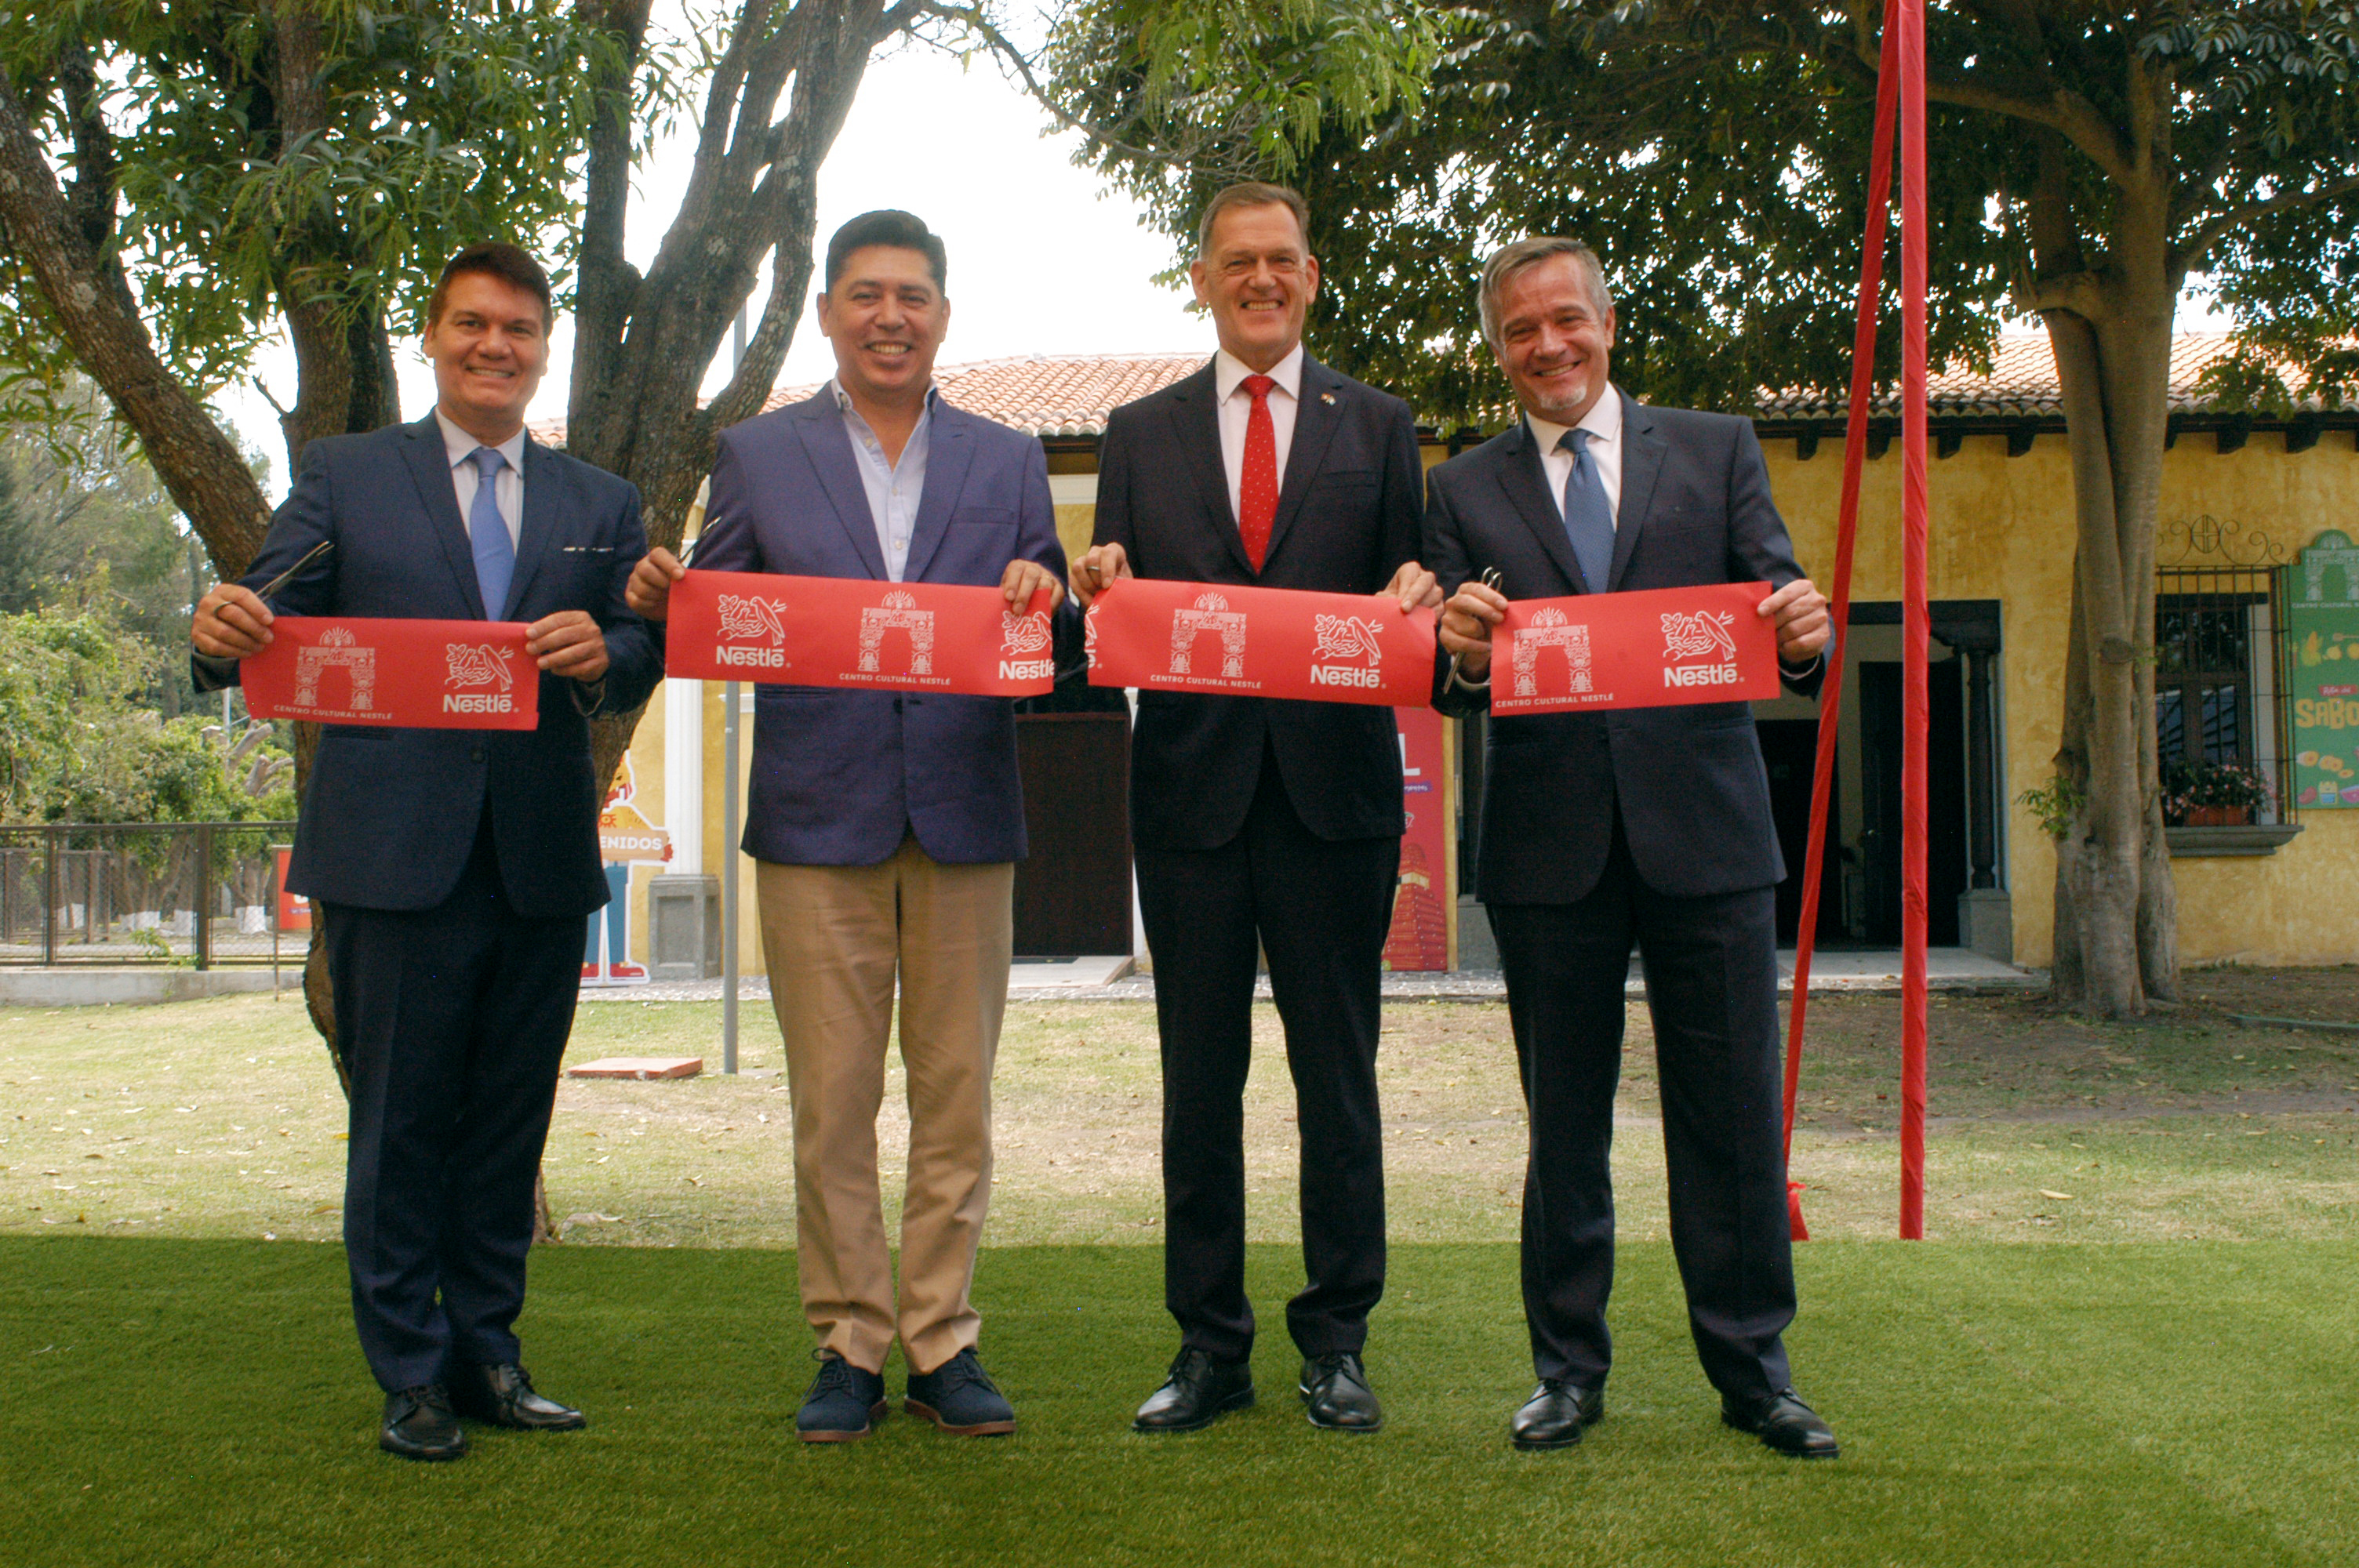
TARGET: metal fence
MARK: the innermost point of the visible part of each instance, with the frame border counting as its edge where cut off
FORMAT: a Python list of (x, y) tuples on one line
[(197, 894)]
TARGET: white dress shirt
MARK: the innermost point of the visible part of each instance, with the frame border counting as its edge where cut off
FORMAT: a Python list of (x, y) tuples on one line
[(507, 487), (1603, 422), (895, 488), (1235, 405)]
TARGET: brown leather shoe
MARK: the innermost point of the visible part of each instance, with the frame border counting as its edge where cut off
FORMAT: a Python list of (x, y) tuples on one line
[(418, 1424), (505, 1396)]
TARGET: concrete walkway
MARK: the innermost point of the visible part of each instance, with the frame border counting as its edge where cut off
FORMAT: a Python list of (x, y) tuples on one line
[(1112, 980)]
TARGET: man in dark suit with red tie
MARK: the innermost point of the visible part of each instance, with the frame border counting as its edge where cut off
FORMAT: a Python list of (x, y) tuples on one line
[(452, 868), (1260, 825), (1645, 826)]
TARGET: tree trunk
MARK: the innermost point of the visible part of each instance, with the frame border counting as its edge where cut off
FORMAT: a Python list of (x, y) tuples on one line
[(2117, 913)]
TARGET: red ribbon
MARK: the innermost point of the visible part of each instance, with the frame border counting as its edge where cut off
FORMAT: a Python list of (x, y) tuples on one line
[(1651, 648), (416, 674), (1261, 642), (858, 633)]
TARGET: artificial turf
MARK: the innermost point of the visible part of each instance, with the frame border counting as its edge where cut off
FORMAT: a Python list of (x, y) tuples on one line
[(201, 1401)]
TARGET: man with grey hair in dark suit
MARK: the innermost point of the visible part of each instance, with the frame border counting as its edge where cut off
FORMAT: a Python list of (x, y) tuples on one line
[(1645, 826)]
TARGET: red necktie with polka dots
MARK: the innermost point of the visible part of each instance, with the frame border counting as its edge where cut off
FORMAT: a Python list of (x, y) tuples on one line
[(1258, 485)]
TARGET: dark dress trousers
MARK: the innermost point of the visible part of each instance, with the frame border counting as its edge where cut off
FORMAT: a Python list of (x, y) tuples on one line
[(1256, 819), (452, 869), (1649, 826)]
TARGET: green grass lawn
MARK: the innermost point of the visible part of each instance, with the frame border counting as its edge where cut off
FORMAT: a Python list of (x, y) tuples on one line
[(200, 1401)]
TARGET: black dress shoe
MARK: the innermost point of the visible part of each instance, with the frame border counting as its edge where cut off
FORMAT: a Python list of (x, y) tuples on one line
[(504, 1397), (1556, 1415), (1199, 1391), (418, 1424), (1335, 1392), (1784, 1422)]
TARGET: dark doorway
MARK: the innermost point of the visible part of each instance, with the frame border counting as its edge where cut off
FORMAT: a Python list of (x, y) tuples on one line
[(1945, 801), (1790, 749), (1072, 893)]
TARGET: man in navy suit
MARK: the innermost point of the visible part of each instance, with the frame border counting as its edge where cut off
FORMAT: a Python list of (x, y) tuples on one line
[(886, 827), (1645, 826), (452, 868), (1263, 824)]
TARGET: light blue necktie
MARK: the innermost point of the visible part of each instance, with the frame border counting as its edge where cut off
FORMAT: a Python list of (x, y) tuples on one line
[(1588, 517), (495, 551)]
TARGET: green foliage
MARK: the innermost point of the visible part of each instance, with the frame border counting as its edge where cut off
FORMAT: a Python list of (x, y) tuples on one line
[(78, 744), (448, 120), (2056, 803), (1713, 154)]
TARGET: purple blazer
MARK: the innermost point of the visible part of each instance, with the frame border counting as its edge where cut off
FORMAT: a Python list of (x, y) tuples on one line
[(841, 776)]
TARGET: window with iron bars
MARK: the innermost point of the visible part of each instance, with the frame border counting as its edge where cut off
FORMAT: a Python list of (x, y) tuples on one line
[(2220, 682)]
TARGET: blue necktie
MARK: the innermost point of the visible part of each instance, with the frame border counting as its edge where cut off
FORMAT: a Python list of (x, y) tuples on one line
[(1588, 518), (495, 551)]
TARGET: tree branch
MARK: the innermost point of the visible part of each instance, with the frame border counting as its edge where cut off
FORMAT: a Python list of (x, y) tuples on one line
[(2210, 233), (91, 302)]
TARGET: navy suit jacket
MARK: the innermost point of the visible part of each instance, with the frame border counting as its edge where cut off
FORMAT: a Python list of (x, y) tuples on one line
[(840, 777), (1693, 795), (1347, 511), (389, 816)]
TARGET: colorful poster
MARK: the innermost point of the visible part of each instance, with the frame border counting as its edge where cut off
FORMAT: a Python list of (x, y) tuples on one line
[(2322, 625), (418, 674), (1425, 908), (858, 632), (1260, 642), (1653, 648), (626, 839)]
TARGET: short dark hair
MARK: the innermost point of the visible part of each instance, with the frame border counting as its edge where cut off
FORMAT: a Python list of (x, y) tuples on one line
[(1251, 193), (494, 258), (887, 226)]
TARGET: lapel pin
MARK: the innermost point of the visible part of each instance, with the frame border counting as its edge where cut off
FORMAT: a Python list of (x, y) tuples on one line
[(1326, 398)]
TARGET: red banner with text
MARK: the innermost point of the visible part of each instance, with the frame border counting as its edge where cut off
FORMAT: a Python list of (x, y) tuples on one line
[(1651, 648), (417, 675), (1425, 904), (1261, 642), (858, 632)]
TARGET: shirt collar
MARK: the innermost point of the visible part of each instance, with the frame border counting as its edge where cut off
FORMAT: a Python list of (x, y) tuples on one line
[(1603, 422), (460, 444), (1228, 371), (843, 401)]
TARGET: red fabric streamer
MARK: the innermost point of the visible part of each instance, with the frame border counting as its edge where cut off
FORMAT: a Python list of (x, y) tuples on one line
[(1862, 392), (413, 675), (858, 632), (1225, 640), (1915, 622)]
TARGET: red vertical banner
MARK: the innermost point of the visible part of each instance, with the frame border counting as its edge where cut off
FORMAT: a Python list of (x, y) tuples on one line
[(294, 908), (1424, 935), (1915, 622)]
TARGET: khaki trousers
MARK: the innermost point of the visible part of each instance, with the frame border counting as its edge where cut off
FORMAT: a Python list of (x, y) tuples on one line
[(834, 937)]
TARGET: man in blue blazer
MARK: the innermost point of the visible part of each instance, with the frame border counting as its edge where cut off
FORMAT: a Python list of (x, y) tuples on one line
[(885, 826), (1649, 826), (452, 868)]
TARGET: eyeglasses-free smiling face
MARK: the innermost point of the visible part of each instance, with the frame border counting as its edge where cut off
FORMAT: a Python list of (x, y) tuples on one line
[(1555, 341), (885, 318), (489, 348), (1257, 278)]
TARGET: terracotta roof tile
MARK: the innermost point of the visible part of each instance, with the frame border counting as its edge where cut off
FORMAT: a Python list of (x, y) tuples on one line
[(1070, 394)]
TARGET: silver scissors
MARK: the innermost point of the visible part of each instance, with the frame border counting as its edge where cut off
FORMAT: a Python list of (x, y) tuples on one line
[(313, 553)]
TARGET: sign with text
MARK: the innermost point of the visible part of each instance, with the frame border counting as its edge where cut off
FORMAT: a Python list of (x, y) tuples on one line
[(858, 632), (1261, 642), (417, 675), (1652, 648), (2322, 625), (1424, 935)]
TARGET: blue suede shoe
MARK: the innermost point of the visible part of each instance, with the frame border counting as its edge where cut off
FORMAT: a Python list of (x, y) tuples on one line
[(959, 1397), (843, 1403)]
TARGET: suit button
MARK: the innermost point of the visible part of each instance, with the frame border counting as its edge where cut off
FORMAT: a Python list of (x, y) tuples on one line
[(897, 704), (476, 755)]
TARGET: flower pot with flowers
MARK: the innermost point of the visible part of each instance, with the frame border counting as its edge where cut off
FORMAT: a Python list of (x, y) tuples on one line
[(2205, 794)]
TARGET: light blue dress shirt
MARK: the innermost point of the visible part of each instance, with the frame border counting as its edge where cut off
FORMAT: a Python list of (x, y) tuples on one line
[(894, 489)]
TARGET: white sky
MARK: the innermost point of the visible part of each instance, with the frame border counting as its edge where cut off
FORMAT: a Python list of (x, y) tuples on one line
[(1042, 258)]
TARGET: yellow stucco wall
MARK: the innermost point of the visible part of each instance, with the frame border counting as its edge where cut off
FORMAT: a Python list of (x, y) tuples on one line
[(2001, 528)]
